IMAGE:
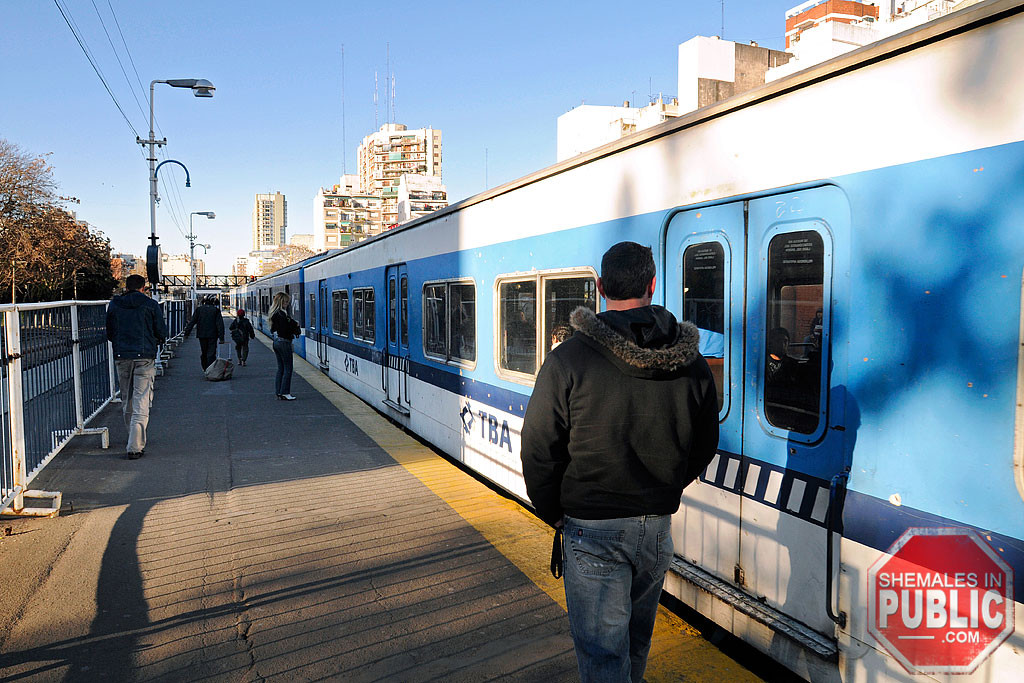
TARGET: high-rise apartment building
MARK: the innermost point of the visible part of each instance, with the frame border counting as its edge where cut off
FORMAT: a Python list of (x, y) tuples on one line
[(269, 221), (390, 153), (345, 214)]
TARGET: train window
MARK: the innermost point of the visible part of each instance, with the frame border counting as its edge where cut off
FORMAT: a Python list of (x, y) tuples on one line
[(434, 320), (312, 311), (704, 304), (517, 303), (392, 336), (449, 321), (339, 310), (364, 319), (404, 296), (793, 339), (561, 297), (528, 329)]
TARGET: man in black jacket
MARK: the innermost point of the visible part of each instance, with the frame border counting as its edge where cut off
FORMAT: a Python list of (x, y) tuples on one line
[(209, 324), (135, 327), (624, 414)]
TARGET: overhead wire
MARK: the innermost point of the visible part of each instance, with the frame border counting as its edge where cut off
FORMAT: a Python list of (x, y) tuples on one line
[(64, 12), (175, 204)]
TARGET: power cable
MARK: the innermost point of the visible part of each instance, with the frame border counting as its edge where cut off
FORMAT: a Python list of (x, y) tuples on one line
[(81, 43)]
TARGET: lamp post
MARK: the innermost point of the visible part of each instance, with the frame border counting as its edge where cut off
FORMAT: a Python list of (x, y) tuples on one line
[(191, 236), (200, 88)]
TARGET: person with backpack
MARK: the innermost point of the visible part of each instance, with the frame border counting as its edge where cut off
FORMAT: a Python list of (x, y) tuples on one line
[(241, 333)]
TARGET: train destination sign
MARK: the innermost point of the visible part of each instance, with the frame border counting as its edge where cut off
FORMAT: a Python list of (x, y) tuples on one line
[(940, 600)]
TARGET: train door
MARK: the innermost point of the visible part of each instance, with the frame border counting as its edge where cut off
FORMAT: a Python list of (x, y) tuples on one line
[(757, 277), (323, 326), (395, 366), (704, 284), (796, 436)]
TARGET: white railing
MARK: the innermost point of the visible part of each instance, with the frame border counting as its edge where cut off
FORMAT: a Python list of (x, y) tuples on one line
[(56, 374)]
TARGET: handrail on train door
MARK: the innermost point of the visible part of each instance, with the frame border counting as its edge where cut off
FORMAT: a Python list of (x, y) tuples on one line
[(836, 497)]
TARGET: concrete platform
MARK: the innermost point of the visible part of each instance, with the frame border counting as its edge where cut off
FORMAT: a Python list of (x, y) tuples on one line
[(266, 540)]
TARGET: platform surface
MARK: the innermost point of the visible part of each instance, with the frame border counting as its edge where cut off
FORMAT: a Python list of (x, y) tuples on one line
[(260, 539)]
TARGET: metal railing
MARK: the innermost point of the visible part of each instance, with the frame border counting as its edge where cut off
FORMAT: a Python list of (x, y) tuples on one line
[(56, 374)]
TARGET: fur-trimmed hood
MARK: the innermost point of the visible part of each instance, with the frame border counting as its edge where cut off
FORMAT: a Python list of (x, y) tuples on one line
[(647, 340)]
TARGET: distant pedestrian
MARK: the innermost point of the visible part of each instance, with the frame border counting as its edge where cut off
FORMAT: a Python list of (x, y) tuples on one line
[(285, 329), (624, 414), (135, 327), (209, 325), (241, 333)]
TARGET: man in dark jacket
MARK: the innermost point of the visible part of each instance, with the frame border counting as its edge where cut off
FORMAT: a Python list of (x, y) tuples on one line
[(209, 326), (135, 327), (624, 414)]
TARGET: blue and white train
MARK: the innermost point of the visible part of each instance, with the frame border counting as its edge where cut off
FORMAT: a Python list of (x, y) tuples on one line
[(851, 239)]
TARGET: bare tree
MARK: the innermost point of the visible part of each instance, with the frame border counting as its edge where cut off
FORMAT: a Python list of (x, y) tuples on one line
[(44, 251), (25, 181)]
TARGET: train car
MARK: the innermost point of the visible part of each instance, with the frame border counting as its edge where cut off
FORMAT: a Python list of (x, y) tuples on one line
[(849, 241), (255, 297)]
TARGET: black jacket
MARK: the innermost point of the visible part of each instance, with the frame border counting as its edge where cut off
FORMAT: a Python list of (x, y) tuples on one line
[(624, 414), (241, 331), (284, 326), (135, 326), (208, 323)]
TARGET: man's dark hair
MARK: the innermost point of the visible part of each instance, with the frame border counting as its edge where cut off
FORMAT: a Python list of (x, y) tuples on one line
[(134, 282), (626, 271)]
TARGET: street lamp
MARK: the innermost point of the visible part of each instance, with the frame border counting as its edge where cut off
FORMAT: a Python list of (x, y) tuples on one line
[(191, 236), (200, 88)]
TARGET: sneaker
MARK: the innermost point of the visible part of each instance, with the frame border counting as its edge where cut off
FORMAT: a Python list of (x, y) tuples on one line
[(286, 397)]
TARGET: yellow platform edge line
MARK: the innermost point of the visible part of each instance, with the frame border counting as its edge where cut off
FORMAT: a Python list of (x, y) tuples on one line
[(678, 651)]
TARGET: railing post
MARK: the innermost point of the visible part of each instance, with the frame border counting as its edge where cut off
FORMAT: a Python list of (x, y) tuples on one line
[(114, 396), (76, 368), (17, 407)]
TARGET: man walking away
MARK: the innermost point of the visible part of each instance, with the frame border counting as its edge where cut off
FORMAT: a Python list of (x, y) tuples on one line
[(241, 333), (624, 415), (135, 327), (209, 328)]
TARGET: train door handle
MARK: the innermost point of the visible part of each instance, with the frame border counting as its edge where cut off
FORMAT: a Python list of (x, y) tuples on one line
[(836, 497)]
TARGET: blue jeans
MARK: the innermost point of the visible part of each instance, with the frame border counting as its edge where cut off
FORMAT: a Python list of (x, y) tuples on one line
[(614, 571), (283, 351)]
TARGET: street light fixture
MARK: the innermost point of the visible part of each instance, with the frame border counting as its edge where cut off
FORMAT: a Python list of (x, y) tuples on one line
[(200, 88), (191, 237)]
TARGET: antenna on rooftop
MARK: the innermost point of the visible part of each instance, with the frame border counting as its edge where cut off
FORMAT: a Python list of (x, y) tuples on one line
[(387, 83), (344, 144), (723, 20), (376, 117)]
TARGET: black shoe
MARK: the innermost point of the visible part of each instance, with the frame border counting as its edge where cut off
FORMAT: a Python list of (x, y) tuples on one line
[(135, 456)]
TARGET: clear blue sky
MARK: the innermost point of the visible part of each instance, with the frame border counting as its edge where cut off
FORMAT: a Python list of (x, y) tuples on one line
[(492, 76)]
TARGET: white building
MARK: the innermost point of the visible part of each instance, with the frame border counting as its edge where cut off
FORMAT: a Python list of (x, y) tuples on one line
[(269, 221), (345, 214), (710, 70), (588, 126), (178, 264), (419, 195), (818, 30), (391, 152)]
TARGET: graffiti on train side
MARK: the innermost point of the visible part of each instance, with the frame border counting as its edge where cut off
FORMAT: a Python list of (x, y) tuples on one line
[(489, 429)]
